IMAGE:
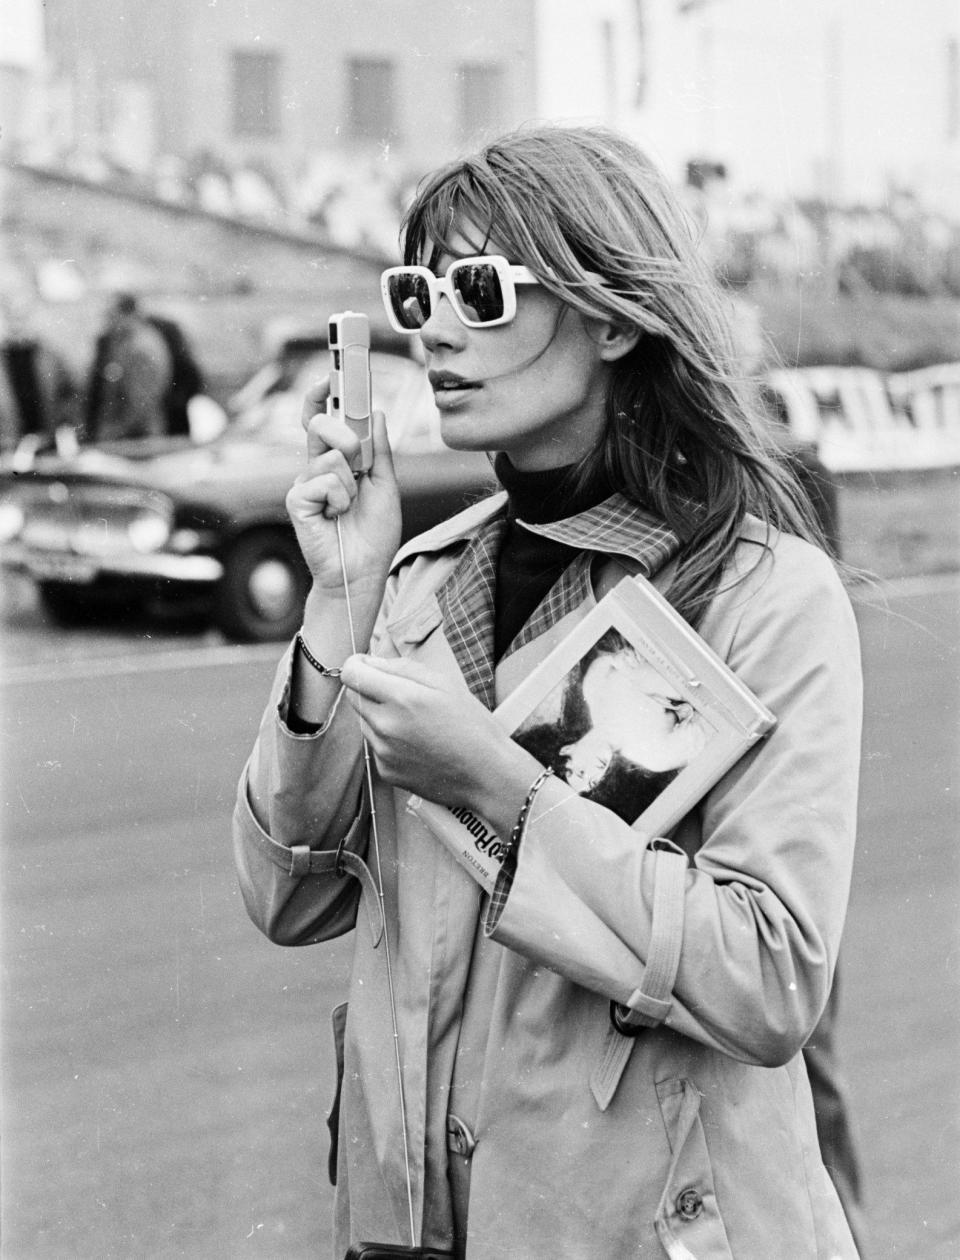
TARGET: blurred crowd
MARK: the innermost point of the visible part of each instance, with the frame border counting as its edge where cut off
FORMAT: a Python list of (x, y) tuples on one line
[(353, 203), (142, 375), (897, 247)]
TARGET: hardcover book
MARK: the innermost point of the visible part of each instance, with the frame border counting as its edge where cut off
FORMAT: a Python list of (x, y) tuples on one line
[(632, 709)]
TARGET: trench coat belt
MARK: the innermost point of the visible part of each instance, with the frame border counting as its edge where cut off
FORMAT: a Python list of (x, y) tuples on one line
[(649, 1004), (307, 861), (299, 860)]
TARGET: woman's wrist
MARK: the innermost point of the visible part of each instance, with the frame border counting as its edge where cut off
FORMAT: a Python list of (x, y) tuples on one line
[(325, 640), (507, 774), (520, 826), (325, 671), (314, 688), (327, 617)]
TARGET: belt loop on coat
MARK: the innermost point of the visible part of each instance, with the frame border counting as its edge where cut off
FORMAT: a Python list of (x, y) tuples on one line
[(299, 860)]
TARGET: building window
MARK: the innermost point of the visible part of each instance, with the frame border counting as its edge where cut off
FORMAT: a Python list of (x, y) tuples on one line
[(256, 94), (371, 99), (640, 21), (481, 99), (608, 44)]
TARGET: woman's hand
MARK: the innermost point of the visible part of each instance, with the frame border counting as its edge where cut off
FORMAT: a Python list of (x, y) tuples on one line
[(435, 739), (327, 489)]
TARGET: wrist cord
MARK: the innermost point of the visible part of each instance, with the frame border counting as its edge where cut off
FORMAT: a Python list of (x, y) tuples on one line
[(386, 932)]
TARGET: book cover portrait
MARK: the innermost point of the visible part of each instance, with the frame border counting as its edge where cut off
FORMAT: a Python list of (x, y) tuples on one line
[(615, 728)]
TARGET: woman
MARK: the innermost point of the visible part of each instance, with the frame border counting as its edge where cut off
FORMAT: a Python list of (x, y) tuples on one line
[(602, 1059)]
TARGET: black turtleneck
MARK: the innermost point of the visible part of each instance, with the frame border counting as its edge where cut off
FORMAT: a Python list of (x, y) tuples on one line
[(529, 564)]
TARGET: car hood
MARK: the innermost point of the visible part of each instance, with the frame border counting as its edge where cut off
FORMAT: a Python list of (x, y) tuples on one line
[(210, 473)]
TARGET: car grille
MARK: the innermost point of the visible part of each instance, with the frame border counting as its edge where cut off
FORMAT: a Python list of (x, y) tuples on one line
[(86, 520)]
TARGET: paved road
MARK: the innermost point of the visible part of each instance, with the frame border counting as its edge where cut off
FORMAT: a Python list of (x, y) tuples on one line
[(167, 1071)]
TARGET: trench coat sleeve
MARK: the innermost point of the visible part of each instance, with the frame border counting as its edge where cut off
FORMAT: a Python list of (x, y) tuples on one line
[(763, 899), (299, 793)]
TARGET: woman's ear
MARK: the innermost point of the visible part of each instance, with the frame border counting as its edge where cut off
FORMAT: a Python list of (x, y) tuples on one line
[(614, 340)]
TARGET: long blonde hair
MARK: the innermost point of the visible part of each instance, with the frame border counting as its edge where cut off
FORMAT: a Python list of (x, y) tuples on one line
[(599, 225)]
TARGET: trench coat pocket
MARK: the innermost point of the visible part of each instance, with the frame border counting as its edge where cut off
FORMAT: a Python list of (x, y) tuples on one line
[(688, 1220), (338, 1019), (408, 629)]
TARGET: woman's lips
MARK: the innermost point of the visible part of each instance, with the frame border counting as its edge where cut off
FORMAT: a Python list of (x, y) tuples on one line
[(449, 388)]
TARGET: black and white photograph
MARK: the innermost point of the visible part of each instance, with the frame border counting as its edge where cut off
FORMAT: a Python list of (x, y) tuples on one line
[(615, 729), (479, 629)]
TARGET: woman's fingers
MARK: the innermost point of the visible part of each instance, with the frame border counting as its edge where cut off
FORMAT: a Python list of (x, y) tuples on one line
[(369, 681), (324, 494), (314, 400), (326, 485), (383, 679), (382, 468), (326, 433)]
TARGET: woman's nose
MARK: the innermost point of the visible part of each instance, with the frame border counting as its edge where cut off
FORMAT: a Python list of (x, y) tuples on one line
[(443, 330)]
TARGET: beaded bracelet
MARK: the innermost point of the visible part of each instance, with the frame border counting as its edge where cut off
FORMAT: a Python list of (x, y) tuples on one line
[(510, 857), (312, 660)]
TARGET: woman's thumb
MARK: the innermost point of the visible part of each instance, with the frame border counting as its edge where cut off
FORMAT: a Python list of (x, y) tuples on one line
[(382, 454)]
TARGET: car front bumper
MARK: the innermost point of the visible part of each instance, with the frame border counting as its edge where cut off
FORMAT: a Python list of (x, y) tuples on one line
[(67, 566)]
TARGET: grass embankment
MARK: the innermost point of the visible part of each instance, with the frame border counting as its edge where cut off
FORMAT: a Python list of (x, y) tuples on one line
[(889, 332)]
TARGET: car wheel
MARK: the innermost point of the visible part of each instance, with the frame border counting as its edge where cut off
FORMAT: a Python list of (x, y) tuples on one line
[(71, 605), (263, 588)]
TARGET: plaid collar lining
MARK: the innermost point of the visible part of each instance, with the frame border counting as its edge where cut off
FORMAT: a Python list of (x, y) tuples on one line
[(466, 603), (615, 526)]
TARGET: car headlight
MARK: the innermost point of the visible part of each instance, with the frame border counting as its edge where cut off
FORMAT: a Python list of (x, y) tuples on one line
[(148, 531), (185, 541), (11, 520)]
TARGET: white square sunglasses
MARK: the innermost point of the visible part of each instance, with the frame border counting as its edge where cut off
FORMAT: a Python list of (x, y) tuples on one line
[(481, 290)]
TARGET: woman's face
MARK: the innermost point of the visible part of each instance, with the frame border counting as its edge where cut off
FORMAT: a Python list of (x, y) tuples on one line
[(534, 388), (586, 761)]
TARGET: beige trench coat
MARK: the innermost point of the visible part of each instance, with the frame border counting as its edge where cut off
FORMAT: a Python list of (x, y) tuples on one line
[(695, 1139)]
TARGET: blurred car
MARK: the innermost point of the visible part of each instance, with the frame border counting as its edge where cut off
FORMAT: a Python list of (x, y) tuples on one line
[(167, 520)]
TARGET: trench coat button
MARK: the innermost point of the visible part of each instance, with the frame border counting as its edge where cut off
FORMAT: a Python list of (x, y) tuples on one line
[(459, 1138), (689, 1204)]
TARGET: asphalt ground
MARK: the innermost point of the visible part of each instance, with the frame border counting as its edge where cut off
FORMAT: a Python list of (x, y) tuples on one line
[(166, 1071)]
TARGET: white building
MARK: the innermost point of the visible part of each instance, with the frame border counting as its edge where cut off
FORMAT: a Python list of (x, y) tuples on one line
[(846, 100), (842, 99)]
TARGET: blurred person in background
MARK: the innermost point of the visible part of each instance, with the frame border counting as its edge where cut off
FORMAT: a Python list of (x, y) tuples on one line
[(130, 377), (39, 397), (604, 1057), (186, 376)]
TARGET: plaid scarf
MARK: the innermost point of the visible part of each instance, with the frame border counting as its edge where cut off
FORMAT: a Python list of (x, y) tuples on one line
[(614, 527)]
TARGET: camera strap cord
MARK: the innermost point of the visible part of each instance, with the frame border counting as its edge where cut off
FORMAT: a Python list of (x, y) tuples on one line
[(368, 767)]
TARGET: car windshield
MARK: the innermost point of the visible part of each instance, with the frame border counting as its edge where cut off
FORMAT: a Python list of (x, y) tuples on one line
[(400, 389)]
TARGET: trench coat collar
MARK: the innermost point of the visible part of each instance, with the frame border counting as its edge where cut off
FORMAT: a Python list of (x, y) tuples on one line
[(465, 600), (616, 526)]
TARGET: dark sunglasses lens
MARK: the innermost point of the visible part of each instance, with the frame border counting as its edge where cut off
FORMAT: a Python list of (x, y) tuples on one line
[(478, 291), (409, 299)]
